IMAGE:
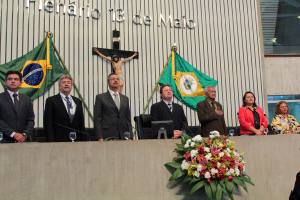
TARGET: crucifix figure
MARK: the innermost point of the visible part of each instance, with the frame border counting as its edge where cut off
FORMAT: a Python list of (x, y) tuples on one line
[(117, 58)]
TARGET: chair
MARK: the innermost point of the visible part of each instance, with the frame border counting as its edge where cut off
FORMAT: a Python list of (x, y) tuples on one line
[(143, 126)]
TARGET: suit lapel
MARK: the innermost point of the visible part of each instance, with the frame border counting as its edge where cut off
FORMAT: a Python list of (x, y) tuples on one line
[(165, 107), (10, 102), (111, 101), (62, 105)]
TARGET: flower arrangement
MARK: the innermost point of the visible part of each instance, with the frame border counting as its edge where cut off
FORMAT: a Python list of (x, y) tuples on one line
[(211, 163)]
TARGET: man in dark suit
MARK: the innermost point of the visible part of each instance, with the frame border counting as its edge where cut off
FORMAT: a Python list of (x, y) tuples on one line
[(210, 114), (112, 113), (16, 111), (64, 114), (166, 109), (295, 194)]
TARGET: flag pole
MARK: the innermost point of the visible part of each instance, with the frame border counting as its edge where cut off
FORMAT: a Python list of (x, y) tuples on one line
[(174, 48), (75, 86)]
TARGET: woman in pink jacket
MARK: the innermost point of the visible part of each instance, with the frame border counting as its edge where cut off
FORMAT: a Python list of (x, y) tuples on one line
[(251, 117)]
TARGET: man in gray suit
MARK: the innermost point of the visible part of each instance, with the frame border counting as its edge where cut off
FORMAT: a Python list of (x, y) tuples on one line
[(16, 110), (112, 113)]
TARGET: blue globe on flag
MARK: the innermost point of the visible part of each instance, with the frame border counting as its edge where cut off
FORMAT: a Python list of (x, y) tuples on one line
[(33, 74)]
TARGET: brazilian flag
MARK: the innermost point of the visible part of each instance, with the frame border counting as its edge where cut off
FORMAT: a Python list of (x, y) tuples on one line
[(40, 69), (187, 83)]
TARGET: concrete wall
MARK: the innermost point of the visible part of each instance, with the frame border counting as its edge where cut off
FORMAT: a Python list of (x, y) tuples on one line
[(133, 170), (226, 44), (282, 75)]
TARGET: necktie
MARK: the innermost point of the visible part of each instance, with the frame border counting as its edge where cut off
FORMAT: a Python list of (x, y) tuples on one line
[(116, 100), (16, 101), (69, 107), (170, 106)]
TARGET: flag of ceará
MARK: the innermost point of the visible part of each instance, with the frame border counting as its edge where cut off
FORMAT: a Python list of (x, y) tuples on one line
[(187, 83), (40, 69)]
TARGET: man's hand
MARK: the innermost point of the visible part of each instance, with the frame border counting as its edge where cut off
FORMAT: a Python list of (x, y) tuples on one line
[(100, 140), (19, 137), (177, 134), (219, 112)]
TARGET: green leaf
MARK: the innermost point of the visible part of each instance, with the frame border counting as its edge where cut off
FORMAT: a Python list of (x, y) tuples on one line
[(173, 165), (219, 192), (197, 186), (194, 180), (208, 191), (248, 180), (187, 179), (213, 186), (229, 186), (240, 182), (177, 174)]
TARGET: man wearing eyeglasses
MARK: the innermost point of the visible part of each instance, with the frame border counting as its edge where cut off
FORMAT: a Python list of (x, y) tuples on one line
[(112, 113)]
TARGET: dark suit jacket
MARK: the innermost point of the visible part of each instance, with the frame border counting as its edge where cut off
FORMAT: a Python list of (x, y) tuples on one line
[(12, 120), (160, 111), (295, 194), (209, 120), (57, 123), (109, 122)]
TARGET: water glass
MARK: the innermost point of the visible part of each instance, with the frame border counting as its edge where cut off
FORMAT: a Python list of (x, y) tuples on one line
[(1, 137), (162, 133), (127, 135), (231, 132), (72, 136)]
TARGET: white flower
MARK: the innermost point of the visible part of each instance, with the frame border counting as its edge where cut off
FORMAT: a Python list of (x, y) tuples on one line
[(214, 171), (185, 165), (237, 171), (207, 175), (218, 164), (208, 156), (187, 143), (197, 138), (192, 144), (199, 168), (214, 134), (231, 171), (194, 153), (197, 174), (206, 149), (221, 154)]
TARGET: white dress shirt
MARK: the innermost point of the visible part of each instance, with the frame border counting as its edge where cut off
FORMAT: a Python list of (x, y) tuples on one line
[(73, 109)]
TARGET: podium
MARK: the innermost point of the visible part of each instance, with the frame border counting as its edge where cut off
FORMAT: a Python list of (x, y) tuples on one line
[(129, 170)]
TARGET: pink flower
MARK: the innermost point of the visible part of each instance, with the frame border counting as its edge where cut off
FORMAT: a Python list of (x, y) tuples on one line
[(187, 156)]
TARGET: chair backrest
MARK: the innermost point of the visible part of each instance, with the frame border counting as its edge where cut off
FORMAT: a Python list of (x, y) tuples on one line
[(143, 126)]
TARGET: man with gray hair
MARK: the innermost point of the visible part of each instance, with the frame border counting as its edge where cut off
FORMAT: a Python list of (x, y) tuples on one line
[(64, 114), (210, 114)]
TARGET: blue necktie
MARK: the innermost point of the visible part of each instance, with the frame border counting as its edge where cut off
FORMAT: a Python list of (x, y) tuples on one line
[(69, 107)]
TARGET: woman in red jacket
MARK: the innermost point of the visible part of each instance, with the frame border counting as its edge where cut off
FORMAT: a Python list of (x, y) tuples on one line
[(251, 117)]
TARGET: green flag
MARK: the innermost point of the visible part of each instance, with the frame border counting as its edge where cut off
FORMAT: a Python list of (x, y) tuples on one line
[(40, 69), (187, 83)]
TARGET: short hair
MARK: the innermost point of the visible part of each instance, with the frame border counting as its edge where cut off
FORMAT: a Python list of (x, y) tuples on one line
[(111, 74), (162, 87), (65, 76), (244, 98), (13, 72), (277, 109)]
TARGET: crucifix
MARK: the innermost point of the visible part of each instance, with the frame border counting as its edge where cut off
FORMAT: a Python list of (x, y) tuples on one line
[(116, 57)]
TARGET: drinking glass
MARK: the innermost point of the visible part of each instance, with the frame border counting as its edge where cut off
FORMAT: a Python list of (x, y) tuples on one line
[(1, 137), (231, 132), (72, 136)]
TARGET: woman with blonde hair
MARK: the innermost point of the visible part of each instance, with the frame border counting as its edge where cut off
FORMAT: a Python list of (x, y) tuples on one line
[(283, 122)]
